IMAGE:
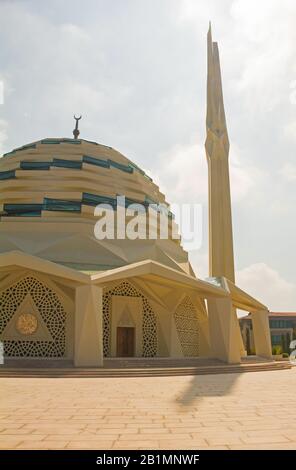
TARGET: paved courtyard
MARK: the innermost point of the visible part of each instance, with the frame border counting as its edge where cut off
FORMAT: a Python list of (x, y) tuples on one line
[(233, 411)]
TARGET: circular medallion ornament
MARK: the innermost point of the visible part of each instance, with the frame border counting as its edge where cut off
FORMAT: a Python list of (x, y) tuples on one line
[(26, 324)]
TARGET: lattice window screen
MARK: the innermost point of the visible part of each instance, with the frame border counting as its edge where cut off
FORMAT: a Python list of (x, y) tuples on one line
[(187, 324), (51, 311)]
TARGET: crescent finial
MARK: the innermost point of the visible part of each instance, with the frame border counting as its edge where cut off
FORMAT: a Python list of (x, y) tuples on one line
[(76, 131)]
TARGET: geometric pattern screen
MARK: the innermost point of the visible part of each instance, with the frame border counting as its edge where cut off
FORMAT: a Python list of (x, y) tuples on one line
[(149, 319), (187, 324), (51, 311)]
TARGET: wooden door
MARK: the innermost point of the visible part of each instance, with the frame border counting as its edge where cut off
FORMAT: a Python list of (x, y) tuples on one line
[(125, 341)]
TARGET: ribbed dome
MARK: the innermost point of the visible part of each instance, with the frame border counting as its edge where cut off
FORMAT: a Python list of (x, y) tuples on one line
[(48, 191)]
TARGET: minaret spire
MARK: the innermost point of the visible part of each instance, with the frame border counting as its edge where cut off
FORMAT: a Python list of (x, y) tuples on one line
[(217, 151), (216, 121)]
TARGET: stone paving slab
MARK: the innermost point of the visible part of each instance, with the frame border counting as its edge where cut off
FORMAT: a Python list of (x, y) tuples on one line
[(231, 411)]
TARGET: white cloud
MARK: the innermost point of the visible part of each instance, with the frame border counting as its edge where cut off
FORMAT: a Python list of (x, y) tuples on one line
[(288, 172), (192, 11), (256, 17), (75, 32), (183, 175), (261, 51), (200, 263), (290, 131), (3, 134), (243, 176), (266, 285)]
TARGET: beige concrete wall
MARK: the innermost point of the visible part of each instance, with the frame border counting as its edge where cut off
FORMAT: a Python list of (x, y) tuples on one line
[(88, 350), (224, 338), (81, 299), (261, 334)]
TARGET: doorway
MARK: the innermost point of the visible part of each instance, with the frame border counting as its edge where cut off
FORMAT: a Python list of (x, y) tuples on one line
[(125, 341)]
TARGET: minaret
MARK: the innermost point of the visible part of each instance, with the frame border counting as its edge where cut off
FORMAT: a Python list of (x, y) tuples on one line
[(221, 262)]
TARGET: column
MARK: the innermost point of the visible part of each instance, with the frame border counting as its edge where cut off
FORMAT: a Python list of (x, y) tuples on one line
[(261, 333), (224, 333), (88, 347)]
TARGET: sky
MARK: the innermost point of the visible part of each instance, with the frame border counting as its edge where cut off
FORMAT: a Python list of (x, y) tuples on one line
[(136, 71)]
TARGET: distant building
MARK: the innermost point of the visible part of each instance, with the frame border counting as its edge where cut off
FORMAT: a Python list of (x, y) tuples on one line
[(282, 330)]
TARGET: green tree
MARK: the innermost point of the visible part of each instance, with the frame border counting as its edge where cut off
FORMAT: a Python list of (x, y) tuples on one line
[(288, 342), (248, 343), (283, 343)]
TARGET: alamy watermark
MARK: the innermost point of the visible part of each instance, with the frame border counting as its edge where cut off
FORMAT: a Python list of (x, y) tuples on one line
[(123, 220)]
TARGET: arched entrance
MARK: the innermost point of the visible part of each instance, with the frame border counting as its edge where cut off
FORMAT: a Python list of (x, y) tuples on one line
[(124, 306)]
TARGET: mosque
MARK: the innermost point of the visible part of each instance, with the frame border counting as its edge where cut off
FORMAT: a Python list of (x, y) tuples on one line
[(66, 295)]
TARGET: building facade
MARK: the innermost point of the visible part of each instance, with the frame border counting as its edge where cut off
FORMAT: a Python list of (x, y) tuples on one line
[(282, 331), (67, 294)]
